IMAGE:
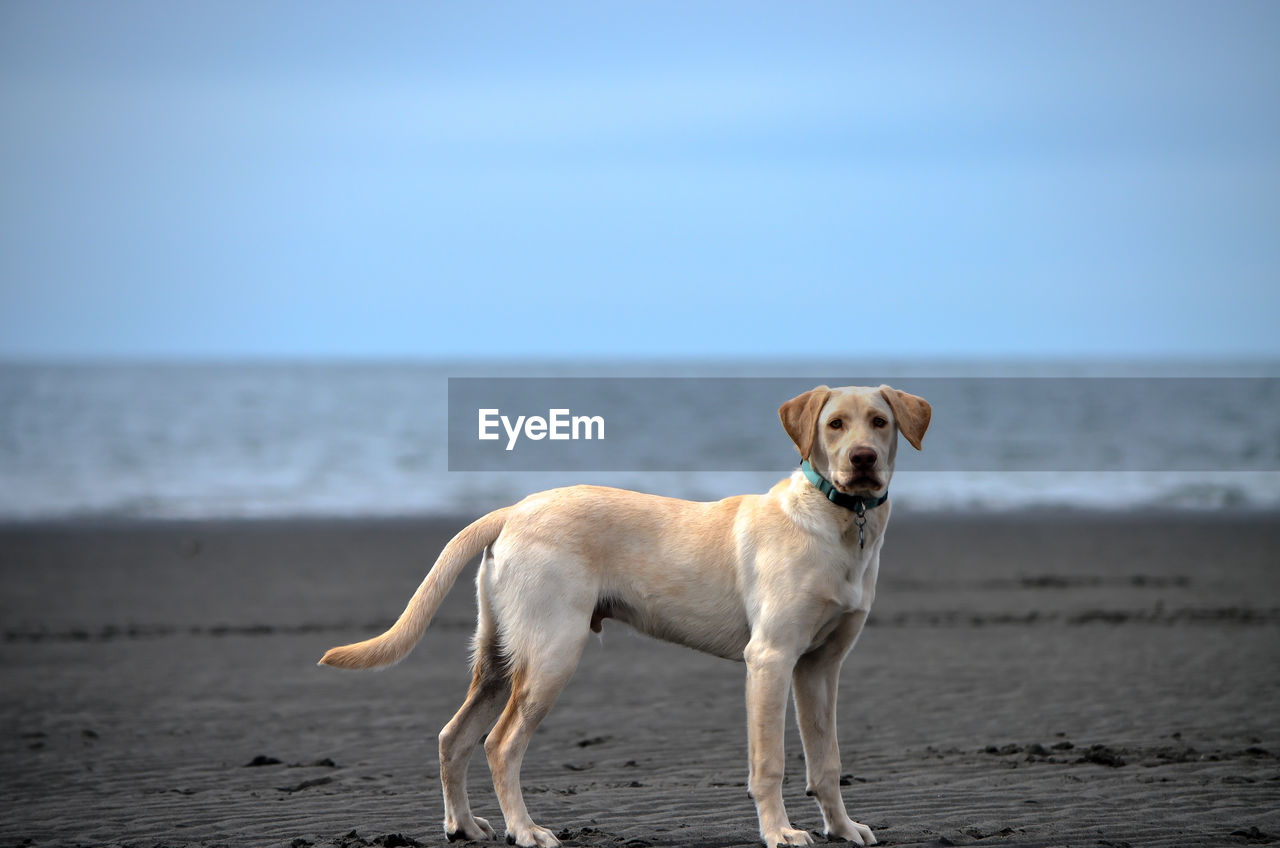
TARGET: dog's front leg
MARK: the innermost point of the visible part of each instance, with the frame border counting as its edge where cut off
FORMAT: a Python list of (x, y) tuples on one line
[(817, 678), (768, 681)]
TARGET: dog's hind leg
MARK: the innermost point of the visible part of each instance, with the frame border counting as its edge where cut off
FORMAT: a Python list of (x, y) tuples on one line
[(535, 684), (458, 739), (460, 736)]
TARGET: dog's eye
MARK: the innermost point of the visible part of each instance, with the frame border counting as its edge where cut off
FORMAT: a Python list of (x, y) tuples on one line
[(835, 423), (878, 422)]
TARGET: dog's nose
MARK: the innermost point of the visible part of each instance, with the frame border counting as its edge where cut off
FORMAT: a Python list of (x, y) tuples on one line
[(863, 457)]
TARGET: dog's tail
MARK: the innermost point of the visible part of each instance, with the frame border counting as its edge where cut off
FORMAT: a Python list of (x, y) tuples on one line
[(398, 641)]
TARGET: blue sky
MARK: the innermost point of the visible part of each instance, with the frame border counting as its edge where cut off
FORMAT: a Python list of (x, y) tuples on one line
[(639, 179)]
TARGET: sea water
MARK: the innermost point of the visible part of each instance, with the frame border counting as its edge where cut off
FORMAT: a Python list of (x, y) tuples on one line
[(189, 440)]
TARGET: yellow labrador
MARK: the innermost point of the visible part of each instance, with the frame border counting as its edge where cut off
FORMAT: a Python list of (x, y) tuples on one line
[(782, 581)]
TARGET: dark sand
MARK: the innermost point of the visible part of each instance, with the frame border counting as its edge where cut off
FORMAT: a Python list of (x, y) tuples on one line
[(1051, 680)]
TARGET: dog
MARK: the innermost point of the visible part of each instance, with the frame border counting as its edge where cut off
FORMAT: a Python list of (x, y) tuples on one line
[(782, 581)]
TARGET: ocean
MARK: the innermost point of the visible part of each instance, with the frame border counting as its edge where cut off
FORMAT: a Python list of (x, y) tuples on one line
[(260, 440)]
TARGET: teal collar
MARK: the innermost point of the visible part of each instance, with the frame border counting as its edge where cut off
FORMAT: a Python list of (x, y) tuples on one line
[(854, 503)]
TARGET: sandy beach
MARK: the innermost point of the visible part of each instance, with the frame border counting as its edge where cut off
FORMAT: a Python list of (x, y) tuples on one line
[(1082, 680)]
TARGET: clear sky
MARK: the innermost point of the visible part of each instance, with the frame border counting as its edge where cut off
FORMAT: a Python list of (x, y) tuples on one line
[(654, 179)]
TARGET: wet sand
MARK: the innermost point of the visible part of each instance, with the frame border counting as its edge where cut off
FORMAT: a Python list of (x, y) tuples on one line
[(1030, 680)]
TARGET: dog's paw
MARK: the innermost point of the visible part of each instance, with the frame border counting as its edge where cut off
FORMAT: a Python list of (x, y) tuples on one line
[(858, 834), (475, 830), (788, 836), (532, 837)]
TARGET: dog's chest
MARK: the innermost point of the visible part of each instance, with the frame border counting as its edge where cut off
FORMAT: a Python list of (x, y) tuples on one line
[(848, 583), (842, 587), (851, 592), (832, 601)]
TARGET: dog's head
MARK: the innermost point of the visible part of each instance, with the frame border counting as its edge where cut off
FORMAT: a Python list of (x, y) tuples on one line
[(850, 434)]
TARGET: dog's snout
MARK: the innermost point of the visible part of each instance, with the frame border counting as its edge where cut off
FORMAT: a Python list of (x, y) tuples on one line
[(863, 457)]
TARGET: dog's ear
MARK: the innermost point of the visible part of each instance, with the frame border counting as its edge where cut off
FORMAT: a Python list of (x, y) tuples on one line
[(800, 417), (913, 413)]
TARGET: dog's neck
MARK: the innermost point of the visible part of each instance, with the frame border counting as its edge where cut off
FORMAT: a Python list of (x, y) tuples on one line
[(810, 508), (858, 504)]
